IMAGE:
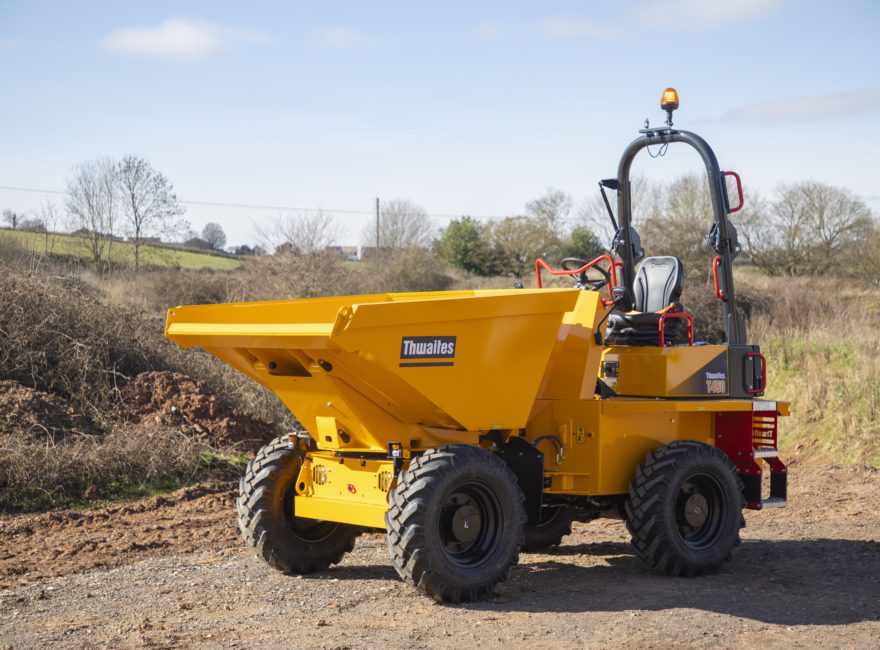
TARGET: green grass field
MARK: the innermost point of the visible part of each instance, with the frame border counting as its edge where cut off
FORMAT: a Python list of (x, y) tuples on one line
[(120, 252), (833, 384)]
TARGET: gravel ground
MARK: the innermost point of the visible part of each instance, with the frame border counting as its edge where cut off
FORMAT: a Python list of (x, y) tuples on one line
[(808, 575)]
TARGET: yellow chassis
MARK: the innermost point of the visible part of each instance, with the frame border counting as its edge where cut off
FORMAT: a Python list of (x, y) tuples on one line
[(603, 442)]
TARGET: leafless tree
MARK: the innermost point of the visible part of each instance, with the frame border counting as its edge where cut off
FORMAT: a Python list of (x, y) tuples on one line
[(839, 219), (866, 260), (678, 222), (12, 218), (214, 235), (402, 225), (645, 204), (93, 204), (810, 229), (51, 219), (32, 224), (149, 206), (305, 233), (551, 211)]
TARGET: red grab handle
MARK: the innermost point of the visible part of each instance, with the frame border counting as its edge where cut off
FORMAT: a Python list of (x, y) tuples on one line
[(719, 292), (676, 314), (739, 190)]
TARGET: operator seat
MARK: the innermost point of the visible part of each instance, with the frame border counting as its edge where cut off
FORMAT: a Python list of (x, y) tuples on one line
[(657, 286)]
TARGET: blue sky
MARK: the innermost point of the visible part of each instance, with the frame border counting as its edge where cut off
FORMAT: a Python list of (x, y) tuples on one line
[(462, 107)]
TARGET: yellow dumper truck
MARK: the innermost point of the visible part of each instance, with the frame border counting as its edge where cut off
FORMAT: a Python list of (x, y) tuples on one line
[(471, 425)]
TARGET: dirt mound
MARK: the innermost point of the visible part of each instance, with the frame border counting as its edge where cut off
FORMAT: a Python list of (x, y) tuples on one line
[(174, 399), (29, 411)]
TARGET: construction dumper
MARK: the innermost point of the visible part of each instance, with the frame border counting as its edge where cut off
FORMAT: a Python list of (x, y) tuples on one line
[(472, 425)]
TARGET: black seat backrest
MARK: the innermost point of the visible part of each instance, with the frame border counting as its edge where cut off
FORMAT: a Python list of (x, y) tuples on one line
[(658, 283)]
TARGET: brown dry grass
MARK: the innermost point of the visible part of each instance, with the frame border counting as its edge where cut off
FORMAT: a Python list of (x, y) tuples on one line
[(821, 337), (59, 335), (38, 471)]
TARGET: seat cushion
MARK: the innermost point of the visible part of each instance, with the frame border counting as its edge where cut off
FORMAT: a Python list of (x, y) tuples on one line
[(658, 283)]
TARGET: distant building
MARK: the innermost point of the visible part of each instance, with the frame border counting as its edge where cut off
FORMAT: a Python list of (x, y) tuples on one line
[(345, 252), (147, 240), (85, 232)]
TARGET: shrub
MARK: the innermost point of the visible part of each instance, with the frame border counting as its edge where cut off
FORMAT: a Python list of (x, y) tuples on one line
[(57, 335), (38, 473), (412, 270)]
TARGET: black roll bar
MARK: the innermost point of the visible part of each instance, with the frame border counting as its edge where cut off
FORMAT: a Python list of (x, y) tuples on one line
[(734, 327)]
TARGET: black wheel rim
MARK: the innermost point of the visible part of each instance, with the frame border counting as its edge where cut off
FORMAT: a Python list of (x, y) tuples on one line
[(471, 522), (311, 531), (699, 511)]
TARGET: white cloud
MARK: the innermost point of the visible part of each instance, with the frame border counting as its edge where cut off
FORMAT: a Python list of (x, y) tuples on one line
[(177, 38), (343, 38), (701, 15), (572, 27), (808, 108)]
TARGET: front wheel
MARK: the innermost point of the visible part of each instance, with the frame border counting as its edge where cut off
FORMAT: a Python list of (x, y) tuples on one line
[(455, 523), (684, 509), (269, 525)]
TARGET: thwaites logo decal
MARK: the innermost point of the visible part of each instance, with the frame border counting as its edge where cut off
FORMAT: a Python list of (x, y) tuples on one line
[(711, 379), (423, 351), (716, 383)]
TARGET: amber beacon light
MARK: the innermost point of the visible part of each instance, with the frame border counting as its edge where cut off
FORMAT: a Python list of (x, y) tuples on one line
[(670, 99), (669, 103)]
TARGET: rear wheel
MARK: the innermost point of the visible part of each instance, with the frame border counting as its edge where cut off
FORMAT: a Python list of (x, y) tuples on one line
[(554, 525), (684, 509), (455, 523), (269, 525)]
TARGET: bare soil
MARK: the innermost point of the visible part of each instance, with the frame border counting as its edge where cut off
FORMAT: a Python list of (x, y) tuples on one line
[(807, 575), (27, 411), (177, 400), (157, 399), (34, 548)]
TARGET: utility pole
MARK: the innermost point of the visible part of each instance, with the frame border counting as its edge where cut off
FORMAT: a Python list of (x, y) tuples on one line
[(377, 230)]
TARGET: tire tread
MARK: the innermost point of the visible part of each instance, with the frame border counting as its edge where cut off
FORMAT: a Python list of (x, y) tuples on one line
[(645, 505), (405, 517), (257, 489)]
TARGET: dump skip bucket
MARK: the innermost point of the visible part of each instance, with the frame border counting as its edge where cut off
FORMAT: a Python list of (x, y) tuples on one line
[(389, 366)]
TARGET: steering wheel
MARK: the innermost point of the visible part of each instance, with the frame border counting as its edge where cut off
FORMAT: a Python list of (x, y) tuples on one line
[(583, 282)]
